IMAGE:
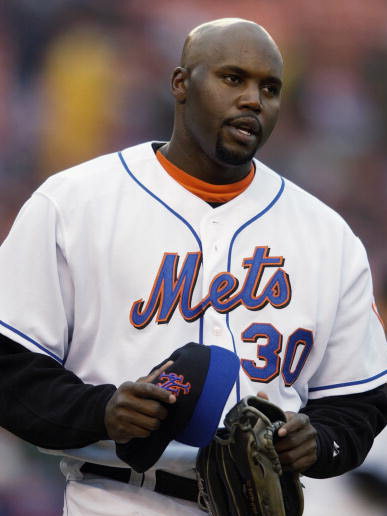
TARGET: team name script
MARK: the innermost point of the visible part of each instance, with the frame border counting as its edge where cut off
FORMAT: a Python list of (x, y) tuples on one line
[(171, 289)]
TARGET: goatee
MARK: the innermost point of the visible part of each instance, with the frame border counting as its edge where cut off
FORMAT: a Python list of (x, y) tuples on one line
[(233, 157)]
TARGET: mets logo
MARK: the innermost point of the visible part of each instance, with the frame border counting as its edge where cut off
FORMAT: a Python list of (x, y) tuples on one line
[(173, 289), (174, 383)]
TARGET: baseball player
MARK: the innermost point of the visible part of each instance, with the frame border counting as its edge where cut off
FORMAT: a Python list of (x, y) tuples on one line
[(112, 265)]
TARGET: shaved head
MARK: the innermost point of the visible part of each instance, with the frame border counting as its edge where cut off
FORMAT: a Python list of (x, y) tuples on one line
[(207, 41), (228, 92)]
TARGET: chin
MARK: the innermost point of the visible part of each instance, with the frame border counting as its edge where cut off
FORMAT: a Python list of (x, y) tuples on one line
[(234, 157)]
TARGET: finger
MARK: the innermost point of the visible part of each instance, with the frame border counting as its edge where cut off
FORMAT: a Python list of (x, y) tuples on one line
[(263, 395), (124, 434), (148, 407), (297, 467), (151, 391), (299, 458), (294, 422), (129, 419), (157, 372), (304, 463), (293, 440), (130, 390)]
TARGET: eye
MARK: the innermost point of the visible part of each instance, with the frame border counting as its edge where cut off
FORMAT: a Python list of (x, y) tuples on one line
[(232, 79), (271, 90)]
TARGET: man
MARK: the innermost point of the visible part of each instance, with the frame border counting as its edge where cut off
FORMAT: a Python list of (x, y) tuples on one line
[(102, 255)]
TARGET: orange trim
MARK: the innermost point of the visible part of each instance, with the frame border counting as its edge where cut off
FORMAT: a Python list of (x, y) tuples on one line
[(204, 190), (375, 309)]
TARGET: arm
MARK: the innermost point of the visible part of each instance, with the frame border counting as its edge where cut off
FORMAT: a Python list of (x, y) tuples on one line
[(49, 406), (41, 401), (352, 422), (333, 434), (307, 441)]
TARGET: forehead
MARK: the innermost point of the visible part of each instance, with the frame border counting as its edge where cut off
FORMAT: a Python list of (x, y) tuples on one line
[(243, 46)]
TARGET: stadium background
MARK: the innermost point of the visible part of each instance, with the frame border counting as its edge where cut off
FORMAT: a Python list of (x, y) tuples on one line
[(83, 77)]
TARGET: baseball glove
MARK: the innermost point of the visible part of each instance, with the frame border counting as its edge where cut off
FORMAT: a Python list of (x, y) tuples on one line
[(239, 472)]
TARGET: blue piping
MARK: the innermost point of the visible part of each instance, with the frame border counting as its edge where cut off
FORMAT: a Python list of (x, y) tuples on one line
[(253, 219), (14, 330), (201, 322), (346, 384)]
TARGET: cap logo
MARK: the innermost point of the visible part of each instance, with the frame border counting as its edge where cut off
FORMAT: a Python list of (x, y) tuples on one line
[(174, 383)]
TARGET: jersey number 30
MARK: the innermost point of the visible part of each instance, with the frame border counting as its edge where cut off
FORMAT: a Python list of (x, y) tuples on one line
[(269, 346)]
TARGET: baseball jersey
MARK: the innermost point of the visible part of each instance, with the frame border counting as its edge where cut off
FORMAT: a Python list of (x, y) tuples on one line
[(112, 265)]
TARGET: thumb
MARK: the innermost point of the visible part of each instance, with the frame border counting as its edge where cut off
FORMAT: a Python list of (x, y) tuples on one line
[(263, 395)]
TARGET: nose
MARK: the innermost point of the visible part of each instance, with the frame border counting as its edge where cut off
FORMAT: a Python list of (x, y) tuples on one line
[(251, 97)]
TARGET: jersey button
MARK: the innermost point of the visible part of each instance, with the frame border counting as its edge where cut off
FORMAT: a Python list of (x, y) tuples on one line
[(215, 247), (217, 330)]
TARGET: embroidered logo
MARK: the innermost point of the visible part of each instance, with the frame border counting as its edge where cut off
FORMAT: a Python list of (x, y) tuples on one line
[(174, 383), (172, 289), (336, 449)]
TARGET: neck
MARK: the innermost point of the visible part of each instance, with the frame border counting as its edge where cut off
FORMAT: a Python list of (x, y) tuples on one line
[(194, 162)]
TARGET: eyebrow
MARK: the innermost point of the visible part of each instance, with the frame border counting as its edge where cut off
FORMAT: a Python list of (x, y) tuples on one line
[(240, 71)]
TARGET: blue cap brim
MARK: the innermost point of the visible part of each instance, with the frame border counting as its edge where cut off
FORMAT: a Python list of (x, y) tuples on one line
[(222, 373)]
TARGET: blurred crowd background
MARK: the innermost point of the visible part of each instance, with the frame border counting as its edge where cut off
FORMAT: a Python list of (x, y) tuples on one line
[(80, 78)]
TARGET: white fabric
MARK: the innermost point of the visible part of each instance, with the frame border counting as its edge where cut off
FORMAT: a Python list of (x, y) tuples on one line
[(90, 242), (178, 458), (96, 496)]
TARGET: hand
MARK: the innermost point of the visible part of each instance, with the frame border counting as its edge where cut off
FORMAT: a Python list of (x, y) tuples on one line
[(137, 408), (297, 443)]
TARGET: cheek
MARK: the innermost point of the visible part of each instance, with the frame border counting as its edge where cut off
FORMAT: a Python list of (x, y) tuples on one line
[(204, 111), (270, 120), (207, 100), (271, 115)]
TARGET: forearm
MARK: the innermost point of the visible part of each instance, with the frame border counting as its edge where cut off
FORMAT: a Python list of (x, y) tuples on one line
[(346, 427), (47, 405)]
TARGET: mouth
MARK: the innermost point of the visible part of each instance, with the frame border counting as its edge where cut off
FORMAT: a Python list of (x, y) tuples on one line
[(246, 130)]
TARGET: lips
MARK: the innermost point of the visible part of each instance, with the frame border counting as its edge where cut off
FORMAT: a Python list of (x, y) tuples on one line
[(245, 130), (248, 125)]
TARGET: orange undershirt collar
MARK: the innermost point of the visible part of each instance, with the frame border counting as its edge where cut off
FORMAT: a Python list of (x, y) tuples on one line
[(206, 191)]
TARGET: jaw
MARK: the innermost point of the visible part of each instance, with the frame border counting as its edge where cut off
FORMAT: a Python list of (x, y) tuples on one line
[(235, 148), (214, 159), (234, 156)]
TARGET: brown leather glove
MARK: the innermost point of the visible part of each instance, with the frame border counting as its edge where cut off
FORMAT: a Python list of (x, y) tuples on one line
[(239, 472)]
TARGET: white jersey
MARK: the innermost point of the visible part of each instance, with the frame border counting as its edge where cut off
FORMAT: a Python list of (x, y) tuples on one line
[(112, 265)]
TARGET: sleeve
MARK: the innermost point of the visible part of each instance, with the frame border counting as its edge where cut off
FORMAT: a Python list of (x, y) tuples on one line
[(47, 405), (355, 357), (346, 427), (36, 291)]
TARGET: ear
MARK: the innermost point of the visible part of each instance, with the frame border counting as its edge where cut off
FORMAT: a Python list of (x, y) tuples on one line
[(179, 84)]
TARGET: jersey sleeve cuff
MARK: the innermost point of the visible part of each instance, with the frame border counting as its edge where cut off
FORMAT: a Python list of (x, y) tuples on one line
[(27, 342), (351, 387)]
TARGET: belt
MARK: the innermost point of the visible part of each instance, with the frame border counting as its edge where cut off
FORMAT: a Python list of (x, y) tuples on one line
[(166, 483)]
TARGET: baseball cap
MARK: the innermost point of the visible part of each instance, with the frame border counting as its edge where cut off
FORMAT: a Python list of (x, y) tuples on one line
[(201, 377)]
